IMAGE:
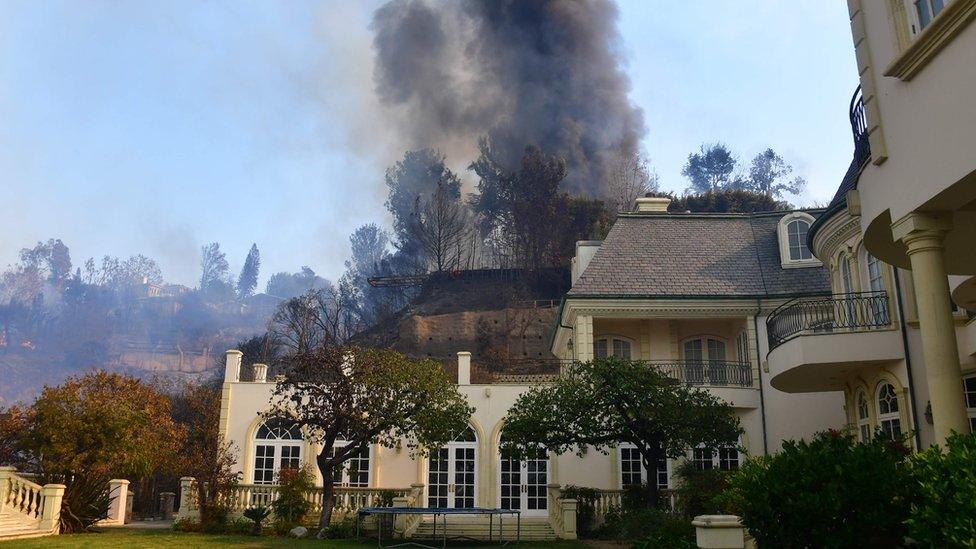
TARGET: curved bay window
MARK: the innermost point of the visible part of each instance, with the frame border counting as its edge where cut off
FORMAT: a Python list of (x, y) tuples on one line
[(612, 346), (277, 446), (889, 416)]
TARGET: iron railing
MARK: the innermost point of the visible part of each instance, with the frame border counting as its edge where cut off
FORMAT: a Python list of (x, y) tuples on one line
[(859, 127), (840, 312), (706, 373)]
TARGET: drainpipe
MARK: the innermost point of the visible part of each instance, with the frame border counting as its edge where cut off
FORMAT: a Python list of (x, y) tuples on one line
[(908, 359), (762, 398)]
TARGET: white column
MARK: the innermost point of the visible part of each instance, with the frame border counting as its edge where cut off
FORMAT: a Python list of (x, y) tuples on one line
[(6, 471), (51, 496), (232, 366), (923, 234), (260, 373), (583, 336), (118, 491)]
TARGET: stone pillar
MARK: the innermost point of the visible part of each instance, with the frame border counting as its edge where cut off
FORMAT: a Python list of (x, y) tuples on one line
[(260, 373), (232, 366), (464, 368), (400, 524), (51, 495), (6, 471), (167, 504), (187, 498), (118, 492), (129, 503), (568, 509), (923, 234), (719, 532), (583, 334)]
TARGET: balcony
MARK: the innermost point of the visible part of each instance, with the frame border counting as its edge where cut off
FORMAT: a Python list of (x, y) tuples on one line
[(706, 373), (859, 127), (815, 342)]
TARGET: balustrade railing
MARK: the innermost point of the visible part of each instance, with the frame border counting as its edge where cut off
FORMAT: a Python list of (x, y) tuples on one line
[(242, 496), (851, 312), (707, 373), (23, 497)]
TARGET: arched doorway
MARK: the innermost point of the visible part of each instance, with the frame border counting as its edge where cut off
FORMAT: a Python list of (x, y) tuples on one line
[(452, 473), (277, 446), (523, 483)]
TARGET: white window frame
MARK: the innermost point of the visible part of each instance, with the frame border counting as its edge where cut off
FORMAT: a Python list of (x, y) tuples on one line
[(863, 421), (742, 347), (277, 444), (889, 419), (786, 260), (610, 339), (969, 394), (451, 471), (915, 26), (344, 477), (714, 461), (643, 470)]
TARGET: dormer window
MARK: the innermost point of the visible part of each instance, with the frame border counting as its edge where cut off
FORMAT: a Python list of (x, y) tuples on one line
[(793, 229)]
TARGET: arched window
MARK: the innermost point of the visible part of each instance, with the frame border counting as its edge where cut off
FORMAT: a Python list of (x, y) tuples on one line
[(633, 473), (523, 481), (612, 346), (969, 390), (889, 417), (793, 230), (451, 472), (863, 416), (705, 361), (277, 446), (796, 231)]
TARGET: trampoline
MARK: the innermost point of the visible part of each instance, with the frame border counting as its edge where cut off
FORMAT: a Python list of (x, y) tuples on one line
[(443, 512)]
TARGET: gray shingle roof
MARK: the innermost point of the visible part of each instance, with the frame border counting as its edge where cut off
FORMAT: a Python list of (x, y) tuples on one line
[(695, 255)]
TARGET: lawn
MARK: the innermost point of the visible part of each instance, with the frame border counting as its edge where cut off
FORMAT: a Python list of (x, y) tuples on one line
[(119, 538)]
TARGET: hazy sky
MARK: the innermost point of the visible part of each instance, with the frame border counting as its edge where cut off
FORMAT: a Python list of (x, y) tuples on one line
[(156, 127)]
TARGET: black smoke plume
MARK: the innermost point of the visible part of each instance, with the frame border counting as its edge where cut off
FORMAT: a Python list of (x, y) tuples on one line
[(545, 72)]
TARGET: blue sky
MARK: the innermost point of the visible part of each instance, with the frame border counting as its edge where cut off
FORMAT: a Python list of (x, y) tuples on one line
[(156, 127)]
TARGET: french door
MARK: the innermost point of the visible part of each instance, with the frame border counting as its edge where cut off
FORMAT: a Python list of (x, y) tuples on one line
[(523, 484), (451, 476)]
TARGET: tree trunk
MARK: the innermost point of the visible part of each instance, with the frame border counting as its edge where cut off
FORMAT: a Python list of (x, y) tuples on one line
[(650, 456), (328, 494)]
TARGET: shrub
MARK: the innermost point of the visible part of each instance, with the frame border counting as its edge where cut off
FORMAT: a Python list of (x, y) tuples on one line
[(215, 521), (343, 529), (292, 504), (700, 492), (672, 532), (585, 510), (829, 492), (86, 499), (256, 515), (186, 525), (943, 511)]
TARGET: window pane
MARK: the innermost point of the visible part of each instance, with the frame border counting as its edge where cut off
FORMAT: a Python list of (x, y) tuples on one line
[(796, 232), (693, 349), (716, 349), (621, 349), (600, 348)]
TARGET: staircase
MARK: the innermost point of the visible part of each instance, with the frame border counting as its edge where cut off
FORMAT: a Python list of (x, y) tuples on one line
[(15, 525), (476, 528)]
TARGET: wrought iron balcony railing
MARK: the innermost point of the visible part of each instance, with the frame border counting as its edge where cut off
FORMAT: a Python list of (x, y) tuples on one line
[(859, 127), (707, 373), (840, 312)]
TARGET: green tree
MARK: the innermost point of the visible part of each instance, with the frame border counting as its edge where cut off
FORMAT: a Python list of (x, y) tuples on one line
[(213, 268), (725, 201), (943, 504), (248, 280), (603, 403), (366, 396), (770, 175), (414, 180), (710, 169)]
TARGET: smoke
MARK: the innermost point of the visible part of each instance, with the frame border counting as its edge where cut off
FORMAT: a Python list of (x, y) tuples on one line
[(544, 72)]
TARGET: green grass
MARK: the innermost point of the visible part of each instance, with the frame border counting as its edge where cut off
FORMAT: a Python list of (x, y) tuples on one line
[(119, 538)]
